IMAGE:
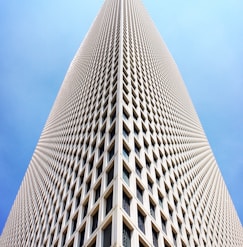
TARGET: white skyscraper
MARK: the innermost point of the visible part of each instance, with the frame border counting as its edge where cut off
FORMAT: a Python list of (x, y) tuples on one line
[(123, 159)]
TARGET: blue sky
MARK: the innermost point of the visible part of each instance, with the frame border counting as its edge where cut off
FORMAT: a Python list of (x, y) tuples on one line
[(40, 38)]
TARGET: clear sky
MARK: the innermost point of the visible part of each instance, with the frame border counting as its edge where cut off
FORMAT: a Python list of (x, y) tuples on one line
[(40, 38)]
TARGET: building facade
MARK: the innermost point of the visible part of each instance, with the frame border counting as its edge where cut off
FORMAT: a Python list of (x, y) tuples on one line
[(123, 159)]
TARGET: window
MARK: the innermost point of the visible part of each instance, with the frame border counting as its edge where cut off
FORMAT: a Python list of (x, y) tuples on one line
[(135, 115), (152, 209), (141, 221), (104, 116), (64, 236), (87, 144), (112, 133), (88, 184), (85, 209), (101, 149), (68, 186), (51, 238), (111, 152), (91, 163), (64, 204), (107, 236), (93, 146), (125, 131), (155, 158), (134, 102), (140, 194), (102, 132), (75, 173), (126, 236), (137, 148), (144, 129), (99, 169), (110, 175), (155, 238), (72, 192), (188, 235), (126, 152), (95, 130), (148, 162), (138, 170), (150, 185), (142, 116), (152, 141), (179, 225), (95, 221), (157, 177), (97, 193), (113, 102), (170, 212), (136, 130), (112, 116), (59, 226), (167, 189), (126, 203), (183, 213), (126, 175), (174, 235), (145, 143), (125, 114), (175, 203), (74, 223), (81, 178), (68, 214), (160, 199), (56, 216), (163, 223), (109, 200)]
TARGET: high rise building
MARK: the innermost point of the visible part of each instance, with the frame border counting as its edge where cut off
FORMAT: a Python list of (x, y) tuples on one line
[(123, 159)]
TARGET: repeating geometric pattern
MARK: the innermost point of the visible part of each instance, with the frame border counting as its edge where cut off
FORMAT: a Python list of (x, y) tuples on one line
[(123, 159)]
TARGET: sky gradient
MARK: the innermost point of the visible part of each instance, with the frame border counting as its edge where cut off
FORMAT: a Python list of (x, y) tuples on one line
[(39, 40)]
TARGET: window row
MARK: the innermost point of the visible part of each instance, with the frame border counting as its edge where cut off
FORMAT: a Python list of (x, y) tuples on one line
[(76, 220)]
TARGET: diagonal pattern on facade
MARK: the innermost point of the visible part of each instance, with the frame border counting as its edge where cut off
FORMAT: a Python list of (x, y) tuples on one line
[(123, 159)]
